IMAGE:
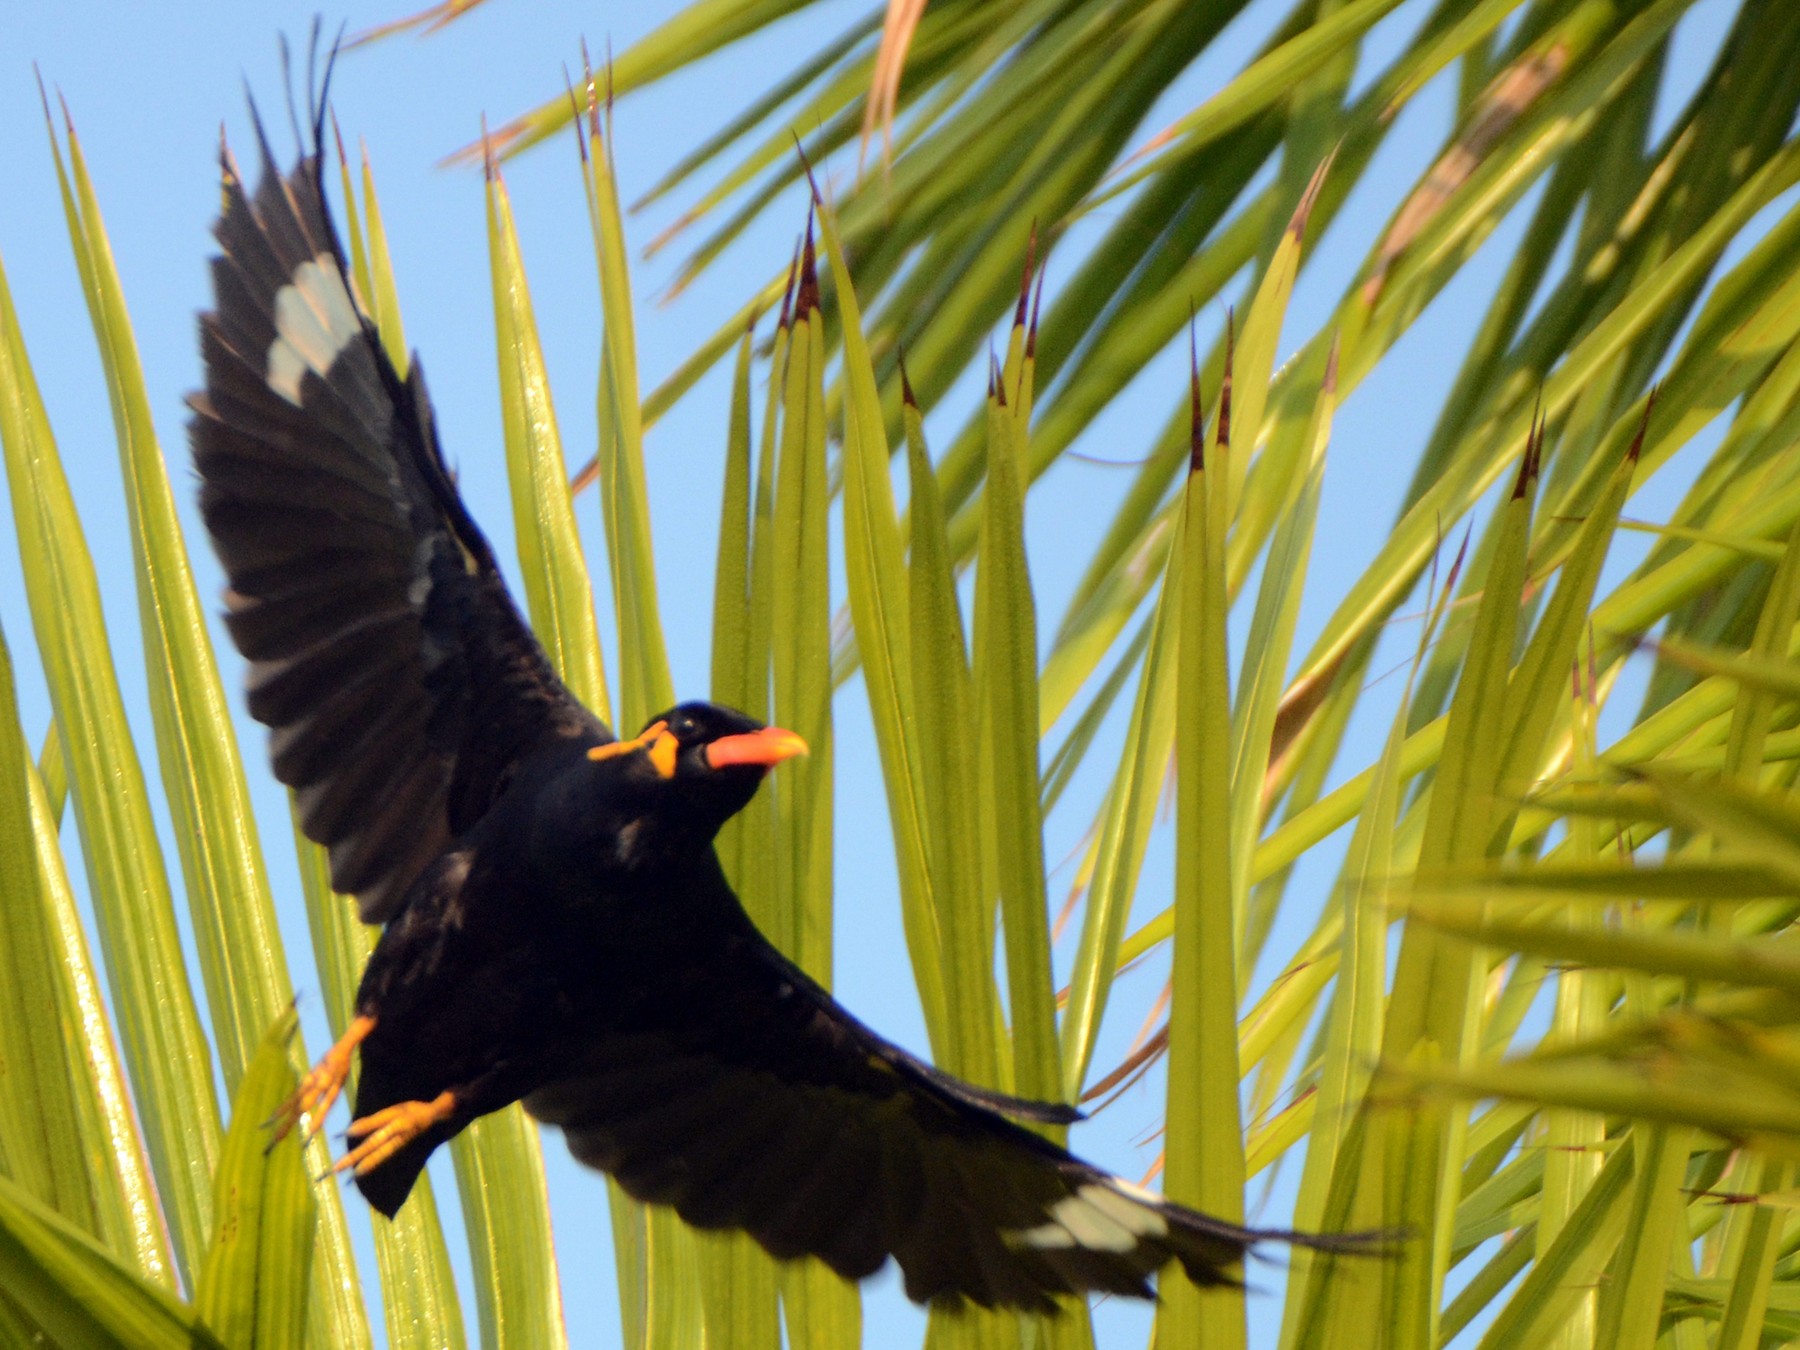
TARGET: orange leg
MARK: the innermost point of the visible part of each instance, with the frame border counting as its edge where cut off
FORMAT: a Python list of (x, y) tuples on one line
[(321, 1086), (388, 1131)]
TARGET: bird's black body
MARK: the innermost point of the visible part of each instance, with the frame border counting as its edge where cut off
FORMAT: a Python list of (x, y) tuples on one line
[(557, 927)]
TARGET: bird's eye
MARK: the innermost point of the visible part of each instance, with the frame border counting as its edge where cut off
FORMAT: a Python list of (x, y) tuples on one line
[(682, 727)]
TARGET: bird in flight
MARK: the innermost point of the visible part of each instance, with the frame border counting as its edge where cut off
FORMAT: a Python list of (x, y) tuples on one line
[(556, 926)]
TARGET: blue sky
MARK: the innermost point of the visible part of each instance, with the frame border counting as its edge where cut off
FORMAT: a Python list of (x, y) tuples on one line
[(150, 86)]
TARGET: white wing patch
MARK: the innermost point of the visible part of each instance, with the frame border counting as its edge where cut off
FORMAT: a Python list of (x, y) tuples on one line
[(1098, 1217), (314, 321)]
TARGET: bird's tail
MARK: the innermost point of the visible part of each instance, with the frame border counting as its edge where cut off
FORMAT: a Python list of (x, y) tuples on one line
[(386, 1185)]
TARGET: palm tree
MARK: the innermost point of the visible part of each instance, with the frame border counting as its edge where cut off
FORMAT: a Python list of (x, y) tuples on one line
[(1535, 1017)]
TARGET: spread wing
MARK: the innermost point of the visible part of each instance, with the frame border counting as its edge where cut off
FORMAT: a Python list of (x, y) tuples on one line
[(396, 676), (742, 1095)]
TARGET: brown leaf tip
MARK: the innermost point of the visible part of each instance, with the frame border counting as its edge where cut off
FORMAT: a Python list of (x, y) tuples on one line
[(996, 379), (490, 164), (43, 96), (1456, 565), (787, 295), (1196, 403), (338, 136), (907, 396), (1222, 437), (1037, 308), (593, 93), (806, 299), (575, 115), (1021, 310), (1534, 451)]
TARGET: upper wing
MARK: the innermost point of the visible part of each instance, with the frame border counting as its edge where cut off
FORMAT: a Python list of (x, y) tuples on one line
[(742, 1095), (399, 681)]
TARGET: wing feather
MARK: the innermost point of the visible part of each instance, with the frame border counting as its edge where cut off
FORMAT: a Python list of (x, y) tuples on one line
[(400, 684), (745, 1097)]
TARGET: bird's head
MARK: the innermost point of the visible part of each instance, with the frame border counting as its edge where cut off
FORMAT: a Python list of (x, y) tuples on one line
[(696, 766)]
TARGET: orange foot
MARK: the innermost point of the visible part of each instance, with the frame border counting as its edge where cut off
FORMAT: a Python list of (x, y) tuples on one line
[(388, 1131), (321, 1086)]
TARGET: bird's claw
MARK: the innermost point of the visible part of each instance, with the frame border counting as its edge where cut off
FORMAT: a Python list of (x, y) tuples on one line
[(387, 1131), (320, 1088)]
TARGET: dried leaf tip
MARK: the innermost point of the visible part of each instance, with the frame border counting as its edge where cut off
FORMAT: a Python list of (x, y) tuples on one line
[(575, 115), (593, 90), (806, 298), (337, 136), (1637, 441), (907, 396), (1534, 446), (1021, 310), (490, 164), (787, 295), (1222, 435), (1196, 403), (1037, 308), (63, 103), (1462, 556)]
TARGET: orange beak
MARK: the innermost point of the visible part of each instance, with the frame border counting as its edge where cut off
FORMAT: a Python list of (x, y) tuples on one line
[(767, 747)]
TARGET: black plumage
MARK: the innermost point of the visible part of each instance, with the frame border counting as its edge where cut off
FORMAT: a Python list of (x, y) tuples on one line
[(557, 927)]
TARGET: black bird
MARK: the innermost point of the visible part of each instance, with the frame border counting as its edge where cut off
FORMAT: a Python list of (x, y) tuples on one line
[(557, 927)]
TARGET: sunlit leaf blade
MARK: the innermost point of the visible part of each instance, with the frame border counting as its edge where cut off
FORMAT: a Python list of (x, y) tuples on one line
[(166, 1051), (645, 687), (1129, 814), (820, 1309), (731, 566), (129, 1205), (1429, 1010), (253, 1286), (739, 1281), (956, 934), (1006, 681), (1267, 651), (559, 597), (1205, 1150), (384, 296), (1748, 962), (51, 1133), (64, 1290), (1573, 1264), (913, 669), (241, 954), (702, 28), (1350, 1046)]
